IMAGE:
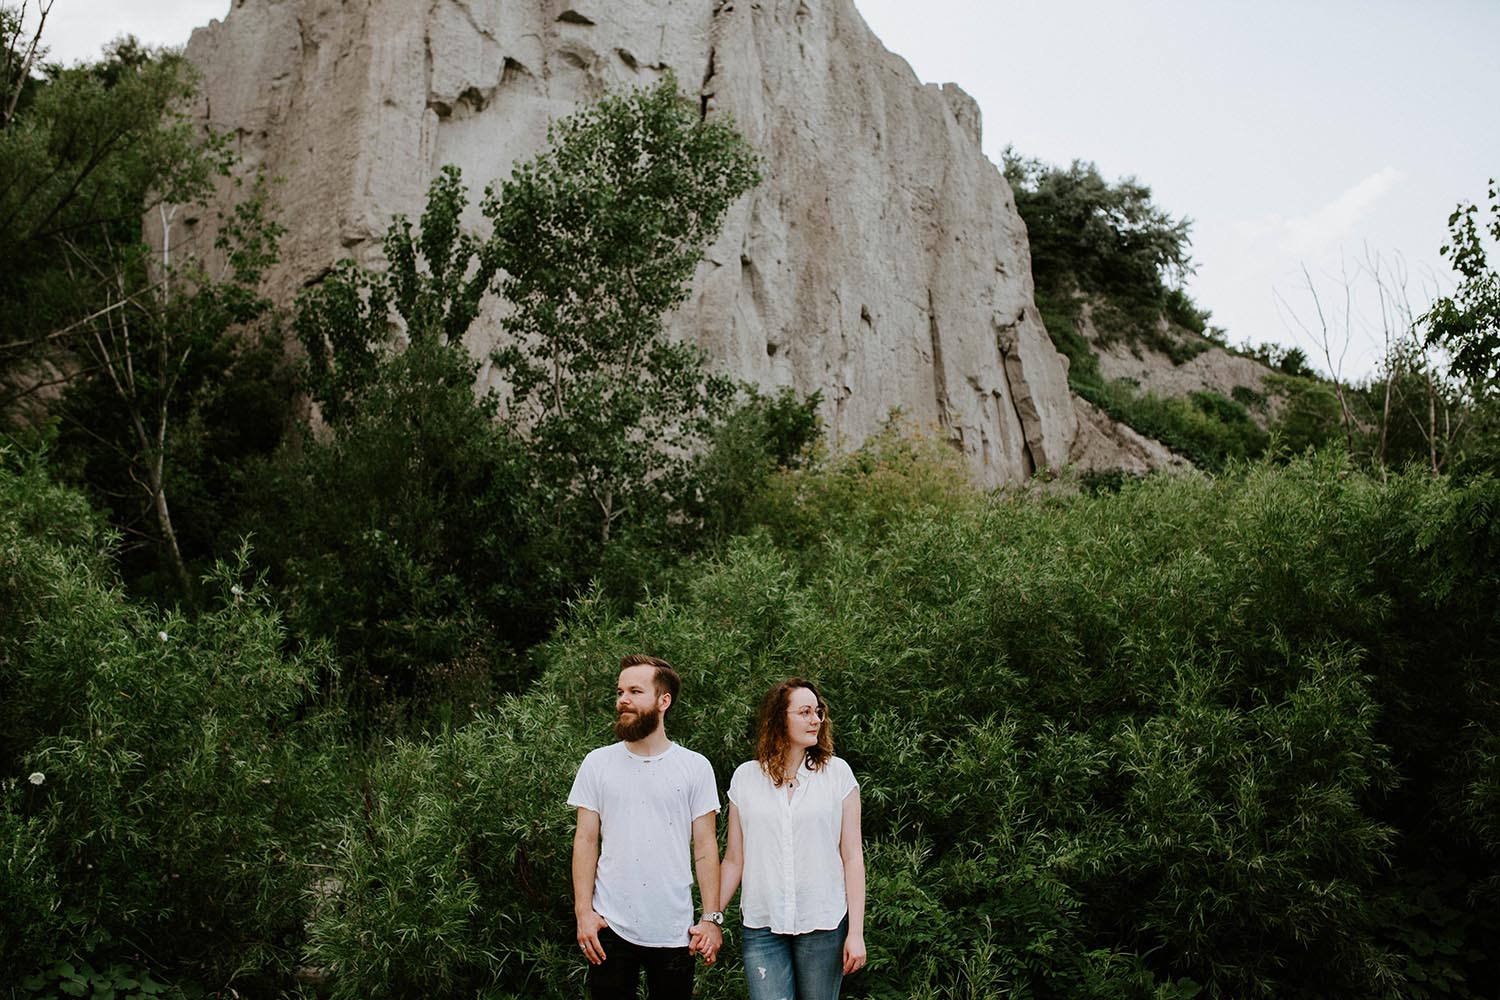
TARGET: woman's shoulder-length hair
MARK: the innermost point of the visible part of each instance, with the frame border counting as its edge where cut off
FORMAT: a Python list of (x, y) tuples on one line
[(771, 731)]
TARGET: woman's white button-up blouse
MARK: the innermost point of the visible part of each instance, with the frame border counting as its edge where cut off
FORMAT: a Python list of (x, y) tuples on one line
[(793, 880)]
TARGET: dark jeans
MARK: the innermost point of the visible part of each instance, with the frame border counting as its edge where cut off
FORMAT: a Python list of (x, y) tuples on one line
[(669, 971)]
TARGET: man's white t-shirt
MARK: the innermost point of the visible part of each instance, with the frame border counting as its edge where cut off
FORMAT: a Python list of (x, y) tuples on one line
[(793, 881), (644, 883)]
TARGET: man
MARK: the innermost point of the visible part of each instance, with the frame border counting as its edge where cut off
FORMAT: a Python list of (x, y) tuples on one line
[(639, 803)]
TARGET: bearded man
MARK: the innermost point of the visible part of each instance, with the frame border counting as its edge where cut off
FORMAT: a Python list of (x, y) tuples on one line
[(640, 801)]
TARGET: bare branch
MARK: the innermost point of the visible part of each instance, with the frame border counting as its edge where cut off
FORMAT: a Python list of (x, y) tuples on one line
[(44, 7)]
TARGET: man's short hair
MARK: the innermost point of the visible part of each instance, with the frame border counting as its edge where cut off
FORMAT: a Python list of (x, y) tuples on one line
[(665, 679)]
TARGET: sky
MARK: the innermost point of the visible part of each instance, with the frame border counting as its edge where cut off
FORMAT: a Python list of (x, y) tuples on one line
[(1309, 141)]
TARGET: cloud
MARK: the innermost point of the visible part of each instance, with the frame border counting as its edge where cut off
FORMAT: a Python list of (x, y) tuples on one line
[(1325, 228)]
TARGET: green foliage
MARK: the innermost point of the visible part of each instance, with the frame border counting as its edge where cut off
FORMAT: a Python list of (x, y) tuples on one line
[(1061, 317), (1250, 399), (1209, 430), (68, 978), (1108, 237), (405, 536), (1308, 414), (1163, 742), (1286, 360), (763, 434), (452, 882), (597, 238), (1104, 244), (434, 283), (1183, 311), (85, 156), (140, 337), (405, 533), (166, 361), (609, 459), (1467, 322), (864, 493), (178, 778)]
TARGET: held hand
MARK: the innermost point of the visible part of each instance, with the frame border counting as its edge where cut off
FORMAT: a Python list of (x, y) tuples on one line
[(854, 953), (705, 938), (589, 926)]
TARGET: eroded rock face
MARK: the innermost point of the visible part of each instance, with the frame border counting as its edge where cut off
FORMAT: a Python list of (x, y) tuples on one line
[(882, 260)]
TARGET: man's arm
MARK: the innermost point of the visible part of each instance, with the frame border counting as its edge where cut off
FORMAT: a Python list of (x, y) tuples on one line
[(705, 937), (585, 866)]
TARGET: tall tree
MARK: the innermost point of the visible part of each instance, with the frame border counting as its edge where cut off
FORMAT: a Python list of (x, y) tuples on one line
[(87, 152), (1467, 322), (127, 330), (598, 238)]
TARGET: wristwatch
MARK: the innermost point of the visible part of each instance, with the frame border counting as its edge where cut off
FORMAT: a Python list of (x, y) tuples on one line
[(716, 918)]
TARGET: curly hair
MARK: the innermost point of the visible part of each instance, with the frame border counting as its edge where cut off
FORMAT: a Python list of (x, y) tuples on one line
[(771, 740)]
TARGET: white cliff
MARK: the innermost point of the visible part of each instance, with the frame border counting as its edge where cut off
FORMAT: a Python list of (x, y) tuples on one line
[(881, 261)]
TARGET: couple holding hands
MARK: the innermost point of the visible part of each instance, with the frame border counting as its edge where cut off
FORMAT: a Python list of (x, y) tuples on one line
[(645, 804)]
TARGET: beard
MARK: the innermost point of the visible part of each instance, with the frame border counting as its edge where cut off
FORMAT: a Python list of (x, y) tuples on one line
[(639, 727)]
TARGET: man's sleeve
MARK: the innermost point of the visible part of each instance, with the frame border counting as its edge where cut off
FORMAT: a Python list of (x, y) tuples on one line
[(585, 793), (705, 789)]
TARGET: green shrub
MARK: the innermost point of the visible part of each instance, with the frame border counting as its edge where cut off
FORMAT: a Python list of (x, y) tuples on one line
[(183, 775), (863, 493), (1176, 740), (1208, 429), (453, 879), (407, 536), (1309, 415)]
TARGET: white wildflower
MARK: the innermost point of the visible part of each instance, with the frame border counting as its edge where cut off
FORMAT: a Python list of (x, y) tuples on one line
[(36, 777), (237, 590), (162, 636)]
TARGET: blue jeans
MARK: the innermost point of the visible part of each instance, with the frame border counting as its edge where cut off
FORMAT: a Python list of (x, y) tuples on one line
[(794, 966)]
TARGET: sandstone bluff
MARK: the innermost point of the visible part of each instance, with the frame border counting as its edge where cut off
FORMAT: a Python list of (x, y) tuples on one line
[(882, 260)]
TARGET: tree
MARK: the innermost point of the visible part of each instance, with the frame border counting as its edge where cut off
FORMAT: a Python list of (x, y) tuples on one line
[(129, 335), (86, 154), (20, 49), (1102, 240), (412, 529), (1467, 322), (168, 330), (401, 529), (434, 282), (598, 238)]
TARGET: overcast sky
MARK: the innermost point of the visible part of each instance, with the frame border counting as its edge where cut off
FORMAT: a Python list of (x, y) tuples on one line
[(1294, 133)]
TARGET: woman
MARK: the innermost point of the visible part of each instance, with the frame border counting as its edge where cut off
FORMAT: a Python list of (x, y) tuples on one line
[(794, 840)]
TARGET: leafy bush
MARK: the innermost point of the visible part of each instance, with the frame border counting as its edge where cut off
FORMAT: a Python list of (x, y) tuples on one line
[(1308, 416), (1208, 429), (1105, 244), (177, 778), (1169, 741), (405, 537)]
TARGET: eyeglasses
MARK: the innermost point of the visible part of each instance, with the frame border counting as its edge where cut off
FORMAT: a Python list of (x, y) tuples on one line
[(807, 713)]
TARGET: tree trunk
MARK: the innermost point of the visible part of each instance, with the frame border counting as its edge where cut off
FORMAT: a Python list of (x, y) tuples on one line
[(164, 521)]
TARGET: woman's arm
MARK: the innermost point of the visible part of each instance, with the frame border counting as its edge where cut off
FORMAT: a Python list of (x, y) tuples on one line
[(852, 851), (733, 865)]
